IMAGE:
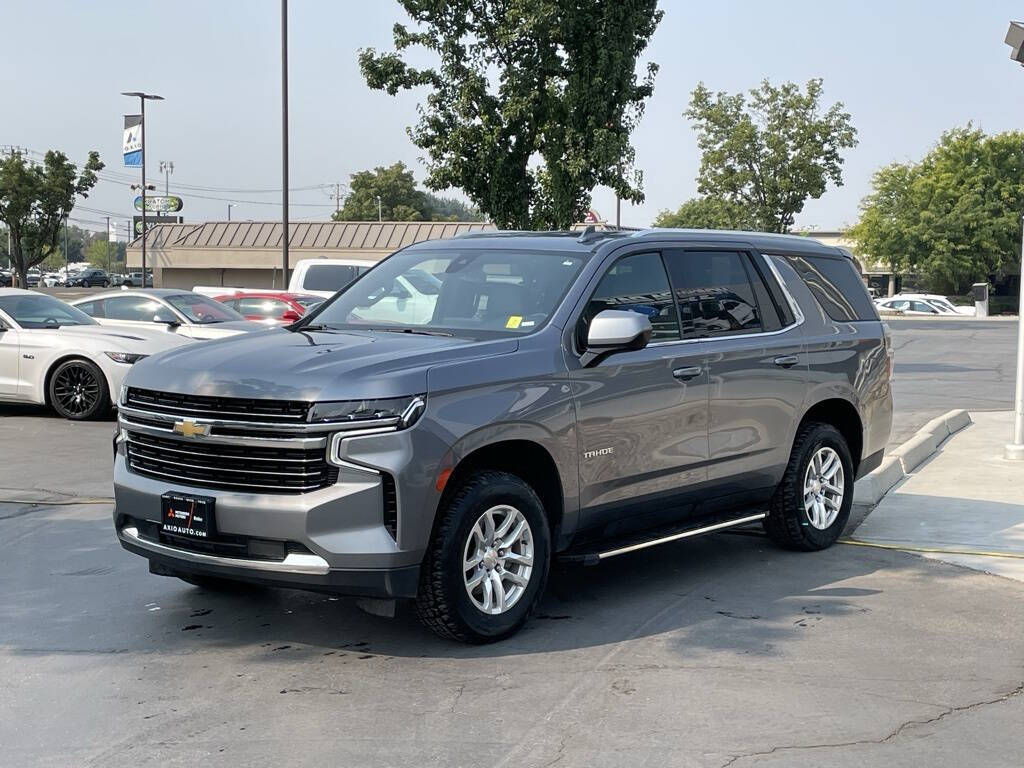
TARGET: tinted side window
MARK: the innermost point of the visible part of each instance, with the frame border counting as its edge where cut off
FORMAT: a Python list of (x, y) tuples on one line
[(837, 286), (714, 294), (637, 283), (329, 277), (92, 308)]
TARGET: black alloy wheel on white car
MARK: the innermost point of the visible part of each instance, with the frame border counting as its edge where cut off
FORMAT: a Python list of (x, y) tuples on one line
[(78, 390)]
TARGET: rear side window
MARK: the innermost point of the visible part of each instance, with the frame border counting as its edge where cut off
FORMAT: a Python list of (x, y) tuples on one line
[(837, 286), (714, 293), (330, 277)]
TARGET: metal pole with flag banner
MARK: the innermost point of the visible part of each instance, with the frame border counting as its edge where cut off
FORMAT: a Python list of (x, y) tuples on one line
[(131, 146)]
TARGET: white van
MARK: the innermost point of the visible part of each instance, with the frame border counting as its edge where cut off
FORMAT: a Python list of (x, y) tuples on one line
[(321, 277)]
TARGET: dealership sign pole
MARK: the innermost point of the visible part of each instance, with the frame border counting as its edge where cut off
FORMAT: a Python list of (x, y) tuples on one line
[(138, 157), (1015, 450)]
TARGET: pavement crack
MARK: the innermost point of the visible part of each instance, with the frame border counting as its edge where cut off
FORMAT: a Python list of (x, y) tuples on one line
[(895, 733)]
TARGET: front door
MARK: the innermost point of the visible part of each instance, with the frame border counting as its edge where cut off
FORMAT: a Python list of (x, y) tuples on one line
[(10, 360), (641, 415)]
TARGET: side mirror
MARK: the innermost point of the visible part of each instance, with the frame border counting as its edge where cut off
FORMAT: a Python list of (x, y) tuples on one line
[(167, 319), (614, 330), (290, 316)]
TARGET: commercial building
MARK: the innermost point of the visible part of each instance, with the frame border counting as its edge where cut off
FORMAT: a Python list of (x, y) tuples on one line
[(248, 253)]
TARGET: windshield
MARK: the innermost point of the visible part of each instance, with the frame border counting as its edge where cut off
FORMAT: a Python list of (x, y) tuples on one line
[(461, 291), (202, 310), (37, 310)]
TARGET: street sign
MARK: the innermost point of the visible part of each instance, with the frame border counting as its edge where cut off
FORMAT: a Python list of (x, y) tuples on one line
[(152, 221), (160, 203)]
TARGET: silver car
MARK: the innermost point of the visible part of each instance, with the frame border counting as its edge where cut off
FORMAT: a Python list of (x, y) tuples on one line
[(182, 312), (570, 396)]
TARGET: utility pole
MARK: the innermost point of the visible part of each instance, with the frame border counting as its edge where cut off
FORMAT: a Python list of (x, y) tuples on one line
[(285, 233), (108, 245), (230, 206), (167, 168), (142, 100), (337, 197), (67, 258)]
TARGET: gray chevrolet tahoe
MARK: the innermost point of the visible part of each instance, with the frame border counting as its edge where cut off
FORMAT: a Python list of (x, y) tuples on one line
[(472, 410)]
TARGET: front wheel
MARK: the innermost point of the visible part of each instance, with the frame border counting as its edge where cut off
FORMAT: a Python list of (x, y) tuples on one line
[(812, 503), (78, 390), (488, 562)]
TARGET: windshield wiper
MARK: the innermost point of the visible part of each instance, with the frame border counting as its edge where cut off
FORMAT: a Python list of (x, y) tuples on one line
[(417, 331)]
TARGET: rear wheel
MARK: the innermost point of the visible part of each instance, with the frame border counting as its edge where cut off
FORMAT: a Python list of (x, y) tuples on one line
[(812, 503), (78, 390), (487, 564)]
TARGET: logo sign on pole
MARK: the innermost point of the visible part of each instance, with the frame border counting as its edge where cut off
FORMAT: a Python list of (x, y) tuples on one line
[(131, 144), (152, 221), (160, 203)]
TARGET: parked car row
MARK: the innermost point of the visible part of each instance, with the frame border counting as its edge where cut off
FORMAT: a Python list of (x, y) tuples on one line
[(922, 304)]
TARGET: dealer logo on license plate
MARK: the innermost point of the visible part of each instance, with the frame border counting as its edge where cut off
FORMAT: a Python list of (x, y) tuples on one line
[(187, 521)]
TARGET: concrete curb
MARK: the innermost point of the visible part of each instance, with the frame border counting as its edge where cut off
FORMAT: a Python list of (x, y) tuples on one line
[(871, 488)]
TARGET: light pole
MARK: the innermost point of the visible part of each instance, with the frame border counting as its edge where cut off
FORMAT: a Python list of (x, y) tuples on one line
[(284, 144), (230, 206), (380, 216), (142, 102), (1015, 449)]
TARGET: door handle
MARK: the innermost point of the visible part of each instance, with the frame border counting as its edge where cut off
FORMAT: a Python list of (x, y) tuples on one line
[(685, 374), (786, 361)]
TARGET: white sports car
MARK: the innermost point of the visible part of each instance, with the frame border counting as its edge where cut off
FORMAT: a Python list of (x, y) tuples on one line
[(53, 354)]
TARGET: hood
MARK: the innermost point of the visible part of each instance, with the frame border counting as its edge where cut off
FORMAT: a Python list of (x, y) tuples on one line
[(318, 365), (135, 340), (223, 330)]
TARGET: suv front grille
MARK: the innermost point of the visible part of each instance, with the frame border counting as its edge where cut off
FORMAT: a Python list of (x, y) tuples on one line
[(225, 408), (240, 468)]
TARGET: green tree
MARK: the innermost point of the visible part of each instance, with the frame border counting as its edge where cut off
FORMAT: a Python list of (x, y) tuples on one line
[(953, 217), (103, 254), (885, 233), (531, 104), (451, 209), (709, 213), (396, 188), (772, 151), (36, 198)]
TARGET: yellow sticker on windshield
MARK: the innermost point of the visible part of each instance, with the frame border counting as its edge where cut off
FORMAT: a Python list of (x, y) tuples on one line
[(513, 321)]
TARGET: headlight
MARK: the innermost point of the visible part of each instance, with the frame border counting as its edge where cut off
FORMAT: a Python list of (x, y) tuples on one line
[(400, 411), (128, 358)]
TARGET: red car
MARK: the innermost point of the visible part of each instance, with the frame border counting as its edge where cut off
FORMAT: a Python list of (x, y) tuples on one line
[(271, 306)]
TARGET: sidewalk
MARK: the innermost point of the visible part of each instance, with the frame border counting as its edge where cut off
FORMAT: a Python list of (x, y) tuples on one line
[(966, 501)]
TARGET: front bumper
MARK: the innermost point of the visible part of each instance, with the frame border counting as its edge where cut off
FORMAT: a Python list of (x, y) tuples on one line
[(299, 571)]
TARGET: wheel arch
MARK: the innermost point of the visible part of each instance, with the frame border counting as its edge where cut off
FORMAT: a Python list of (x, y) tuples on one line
[(63, 358), (524, 458), (844, 416)]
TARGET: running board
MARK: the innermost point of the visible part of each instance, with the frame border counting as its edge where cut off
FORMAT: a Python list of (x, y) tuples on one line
[(592, 558)]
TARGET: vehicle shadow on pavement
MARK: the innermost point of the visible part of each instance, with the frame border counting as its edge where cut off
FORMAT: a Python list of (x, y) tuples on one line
[(69, 588)]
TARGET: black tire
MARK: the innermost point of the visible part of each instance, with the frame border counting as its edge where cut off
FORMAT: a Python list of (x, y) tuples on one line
[(106, 283), (788, 523), (443, 604), (74, 378)]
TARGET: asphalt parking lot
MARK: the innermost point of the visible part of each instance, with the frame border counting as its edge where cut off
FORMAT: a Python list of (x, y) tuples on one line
[(722, 651)]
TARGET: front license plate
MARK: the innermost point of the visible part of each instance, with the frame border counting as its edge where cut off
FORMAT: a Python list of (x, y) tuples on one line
[(183, 515)]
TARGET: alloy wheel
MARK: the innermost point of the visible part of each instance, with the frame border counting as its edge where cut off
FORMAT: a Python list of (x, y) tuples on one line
[(498, 559), (824, 487), (76, 390)]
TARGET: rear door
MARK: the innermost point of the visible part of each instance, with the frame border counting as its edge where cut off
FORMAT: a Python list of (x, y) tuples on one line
[(757, 366), (641, 415)]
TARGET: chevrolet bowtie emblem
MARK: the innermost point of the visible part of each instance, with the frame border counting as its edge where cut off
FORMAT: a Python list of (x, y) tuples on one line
[(189, 428)]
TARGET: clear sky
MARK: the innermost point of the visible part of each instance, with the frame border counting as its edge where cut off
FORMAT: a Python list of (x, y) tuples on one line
[(905, 69)]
